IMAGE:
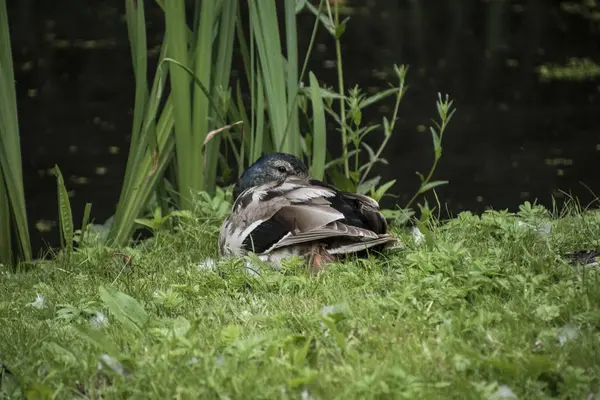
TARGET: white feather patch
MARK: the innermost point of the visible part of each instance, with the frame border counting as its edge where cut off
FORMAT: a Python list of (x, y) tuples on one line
[(238, 236), (307, 193)]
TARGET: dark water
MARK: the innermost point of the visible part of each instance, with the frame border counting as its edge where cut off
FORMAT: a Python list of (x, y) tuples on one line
[(513, 138)]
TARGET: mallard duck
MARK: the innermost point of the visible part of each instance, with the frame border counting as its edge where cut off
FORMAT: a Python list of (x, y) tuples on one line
[(279, 211)]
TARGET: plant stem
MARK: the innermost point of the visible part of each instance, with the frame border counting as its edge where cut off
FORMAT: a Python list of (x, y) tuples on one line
[(399, 96), (338, 53), (433, 166)]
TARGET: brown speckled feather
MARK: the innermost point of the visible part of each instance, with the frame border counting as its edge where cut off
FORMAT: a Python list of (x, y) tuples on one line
[(284, 216)]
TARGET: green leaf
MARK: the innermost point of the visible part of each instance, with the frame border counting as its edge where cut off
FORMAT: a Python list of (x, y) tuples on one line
[(151, 150), (177, 40), (182, 213), (381, 190), (148, 223), (265, 30), (325, 93), (429, 235), (340, 181), (319, 132), (61, 354), (322, 17), (86, 218), (98, 339), (547, 312), (6, 255), (399, 216), (386, 127), (230, 333), (339, 30), (437, 146), (137, 37), (339, 160), (356, 116), (300, 4), (38, 391), (202, 61), (430, 185), (368, 185), (331, 323), (372, 157), (292, 128), (13, 213), (220, 78), (65, 217), (124, 308), (181, 326), (377, 97)]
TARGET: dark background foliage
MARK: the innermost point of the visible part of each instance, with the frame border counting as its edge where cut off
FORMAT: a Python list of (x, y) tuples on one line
[(514, 137)]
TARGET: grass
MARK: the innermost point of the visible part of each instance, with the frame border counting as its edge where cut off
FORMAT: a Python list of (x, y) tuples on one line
[(483, 307)]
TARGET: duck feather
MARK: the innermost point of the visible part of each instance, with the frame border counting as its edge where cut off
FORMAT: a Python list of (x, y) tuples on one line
[(296, 211)]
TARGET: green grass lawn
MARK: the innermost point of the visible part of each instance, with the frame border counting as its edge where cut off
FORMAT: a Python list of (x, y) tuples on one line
[(483, 307)]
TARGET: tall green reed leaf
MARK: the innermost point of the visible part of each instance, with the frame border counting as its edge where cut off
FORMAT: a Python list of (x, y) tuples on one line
[(220, 81), (319, 151), (292, 130), (181, 94), (259, 127), (12, 194), (274, 79), (137, 37), (200, 106), (5, 226), (265, 31), (257, 122), (151, 142), (196, 80)]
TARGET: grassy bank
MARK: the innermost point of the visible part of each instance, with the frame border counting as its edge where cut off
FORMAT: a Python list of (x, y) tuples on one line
[(481, 307)]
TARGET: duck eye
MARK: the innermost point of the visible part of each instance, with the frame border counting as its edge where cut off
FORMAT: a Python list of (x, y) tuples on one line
[(282, 169)]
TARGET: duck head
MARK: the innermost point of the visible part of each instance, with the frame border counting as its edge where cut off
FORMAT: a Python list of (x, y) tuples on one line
[(270, 167)]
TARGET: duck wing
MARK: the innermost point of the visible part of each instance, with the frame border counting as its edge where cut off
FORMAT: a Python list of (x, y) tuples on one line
[(359, 210), (256, 223), (296, 211)]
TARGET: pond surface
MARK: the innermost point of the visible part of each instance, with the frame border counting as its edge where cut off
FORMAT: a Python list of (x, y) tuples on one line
[(514, 137)]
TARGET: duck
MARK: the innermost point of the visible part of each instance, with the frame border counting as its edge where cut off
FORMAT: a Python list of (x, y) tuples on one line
[(279, 212)]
